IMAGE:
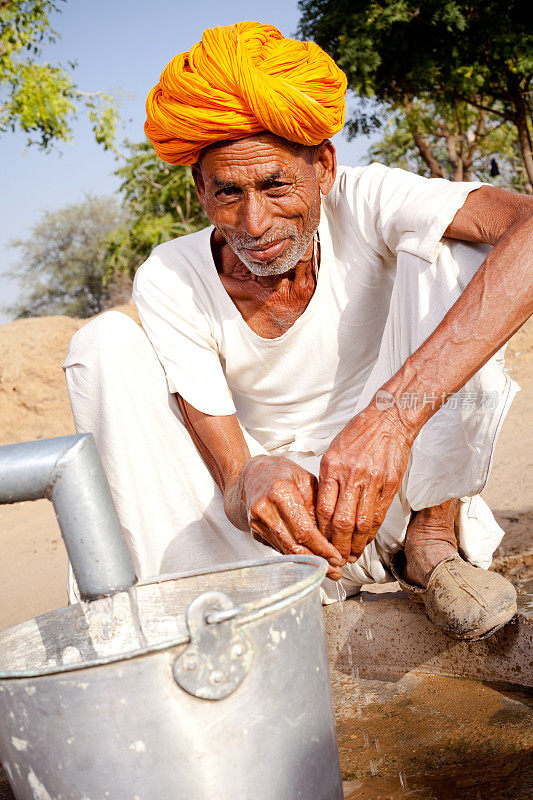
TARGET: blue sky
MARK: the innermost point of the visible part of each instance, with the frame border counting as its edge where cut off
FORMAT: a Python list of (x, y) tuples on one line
[(121, 46)]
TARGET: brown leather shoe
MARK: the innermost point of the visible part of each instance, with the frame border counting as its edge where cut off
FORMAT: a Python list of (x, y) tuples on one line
[(463, 601)]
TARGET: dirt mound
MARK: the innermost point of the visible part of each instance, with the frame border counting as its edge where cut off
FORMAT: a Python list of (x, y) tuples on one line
[(33, 395)]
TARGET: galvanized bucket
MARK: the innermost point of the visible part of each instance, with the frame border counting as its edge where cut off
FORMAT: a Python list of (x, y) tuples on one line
[(226, 698)]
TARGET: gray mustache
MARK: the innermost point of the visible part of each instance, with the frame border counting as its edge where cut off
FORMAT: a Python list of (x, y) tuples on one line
[(244, 243)]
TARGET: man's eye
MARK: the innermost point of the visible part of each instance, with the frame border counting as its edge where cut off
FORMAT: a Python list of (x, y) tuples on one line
[(277, 185), (228, 191)]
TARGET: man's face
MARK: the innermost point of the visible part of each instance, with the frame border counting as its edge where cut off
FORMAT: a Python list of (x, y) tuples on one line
[(264, 197)]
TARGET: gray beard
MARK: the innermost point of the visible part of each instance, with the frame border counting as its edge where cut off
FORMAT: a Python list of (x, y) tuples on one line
[(284, 263), (288, 260), (263, 270)]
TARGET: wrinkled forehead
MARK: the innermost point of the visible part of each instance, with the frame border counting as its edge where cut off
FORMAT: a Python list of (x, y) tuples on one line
[(254, 158)]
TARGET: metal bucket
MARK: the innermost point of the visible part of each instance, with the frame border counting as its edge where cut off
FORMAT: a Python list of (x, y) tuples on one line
[(229, 698)]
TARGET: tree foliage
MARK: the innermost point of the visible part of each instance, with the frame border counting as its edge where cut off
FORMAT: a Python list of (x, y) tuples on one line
[(37, 97), (161, 203), (444, 52), (457, 142), (63, 265), (80, 259)]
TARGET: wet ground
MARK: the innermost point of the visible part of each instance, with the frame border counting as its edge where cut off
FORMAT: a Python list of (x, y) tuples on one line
[(433, 738), (5, 791)]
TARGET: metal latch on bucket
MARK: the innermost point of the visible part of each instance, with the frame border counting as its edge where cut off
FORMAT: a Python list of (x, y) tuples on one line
[(219, 655)]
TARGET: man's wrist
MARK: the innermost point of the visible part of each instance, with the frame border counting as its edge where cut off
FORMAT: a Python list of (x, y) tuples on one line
[(234, 505), (409, 399), (234, 495)]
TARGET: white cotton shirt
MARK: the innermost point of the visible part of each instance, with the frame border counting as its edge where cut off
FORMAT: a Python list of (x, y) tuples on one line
[(295, 392)]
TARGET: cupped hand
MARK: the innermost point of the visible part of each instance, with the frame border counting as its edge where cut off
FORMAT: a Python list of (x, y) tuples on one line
[(279, 497), (359, 475)]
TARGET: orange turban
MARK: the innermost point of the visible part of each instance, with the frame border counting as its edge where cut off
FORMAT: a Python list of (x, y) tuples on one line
[(240, 80)]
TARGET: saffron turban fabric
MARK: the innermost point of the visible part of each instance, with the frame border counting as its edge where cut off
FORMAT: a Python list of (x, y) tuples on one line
[(240, 80)]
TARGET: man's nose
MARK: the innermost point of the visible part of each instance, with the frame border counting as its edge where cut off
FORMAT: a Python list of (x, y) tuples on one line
[(255, 218)]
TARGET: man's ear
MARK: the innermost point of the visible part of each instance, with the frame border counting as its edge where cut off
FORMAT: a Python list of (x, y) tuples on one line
[(326, 166), (199, 184)]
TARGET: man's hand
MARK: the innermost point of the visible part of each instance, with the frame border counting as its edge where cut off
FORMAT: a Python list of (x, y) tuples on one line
[(274, 497), (361, 471), (279, 497), (359, 475)]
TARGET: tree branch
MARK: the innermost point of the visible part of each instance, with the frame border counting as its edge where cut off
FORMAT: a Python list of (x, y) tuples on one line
[(89, 94), (483, 107), (422, 143)]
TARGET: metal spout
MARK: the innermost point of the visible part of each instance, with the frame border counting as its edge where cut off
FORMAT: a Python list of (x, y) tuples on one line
[(68, 471)]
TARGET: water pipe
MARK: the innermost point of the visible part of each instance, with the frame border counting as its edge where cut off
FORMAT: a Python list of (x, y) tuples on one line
[(68, 471)]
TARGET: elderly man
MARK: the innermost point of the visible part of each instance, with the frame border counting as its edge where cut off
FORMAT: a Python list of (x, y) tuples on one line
[(321, 371)]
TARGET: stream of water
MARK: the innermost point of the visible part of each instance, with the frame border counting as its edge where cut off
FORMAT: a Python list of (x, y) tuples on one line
[(136, 617), (101, 617)]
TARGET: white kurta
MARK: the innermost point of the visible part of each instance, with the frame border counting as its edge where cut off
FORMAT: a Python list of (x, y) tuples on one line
[(295, 392), (385, 281)]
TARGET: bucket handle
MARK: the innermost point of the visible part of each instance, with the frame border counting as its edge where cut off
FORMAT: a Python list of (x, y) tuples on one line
[(217, 617), (219, 655)]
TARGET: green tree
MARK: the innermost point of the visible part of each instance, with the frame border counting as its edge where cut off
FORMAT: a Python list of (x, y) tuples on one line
[(37, 97), (458, 142), (161, 204), (478, 52), (63, 267)]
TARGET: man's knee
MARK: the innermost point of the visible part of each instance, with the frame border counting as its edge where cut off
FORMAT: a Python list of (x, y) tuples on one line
[(110, 336)]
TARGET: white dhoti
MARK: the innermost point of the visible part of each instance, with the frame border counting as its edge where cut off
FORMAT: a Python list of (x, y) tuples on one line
[(172, 511)]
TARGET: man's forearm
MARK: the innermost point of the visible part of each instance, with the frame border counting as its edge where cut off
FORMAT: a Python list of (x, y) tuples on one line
[(220, 442), (496, 302), (225, 452)]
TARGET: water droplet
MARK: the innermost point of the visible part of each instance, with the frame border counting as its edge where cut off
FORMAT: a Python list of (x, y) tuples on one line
[(108, 629), (141, 638), (84, 622), (341, 595)]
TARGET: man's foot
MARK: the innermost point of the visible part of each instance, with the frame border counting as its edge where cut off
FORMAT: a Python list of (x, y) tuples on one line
[(464, 601), (429, 540)]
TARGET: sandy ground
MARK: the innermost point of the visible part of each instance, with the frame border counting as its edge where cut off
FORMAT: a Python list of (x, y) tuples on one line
[(34, 405)]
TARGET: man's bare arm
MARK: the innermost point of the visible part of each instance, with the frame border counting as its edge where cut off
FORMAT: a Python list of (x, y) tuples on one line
[(362, 470), (220, 442), (496, 302), (487, 214), (274, 497)]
